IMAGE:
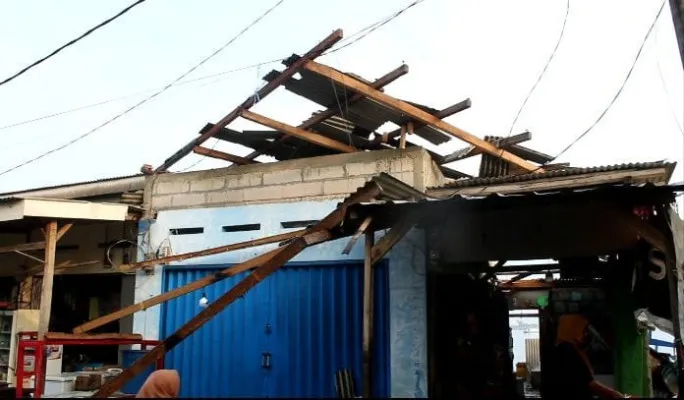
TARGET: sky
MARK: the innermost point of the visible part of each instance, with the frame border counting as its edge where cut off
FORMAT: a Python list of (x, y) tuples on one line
[(491, 52)]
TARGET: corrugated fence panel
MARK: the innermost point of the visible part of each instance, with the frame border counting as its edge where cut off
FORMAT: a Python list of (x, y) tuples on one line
[(532, 356), (307, 316)]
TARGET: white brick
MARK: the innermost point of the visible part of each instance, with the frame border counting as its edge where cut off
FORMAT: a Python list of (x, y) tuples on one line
[(203, 185), (407, 165), (175, 186), (244, 180), (332, 172), (358, 169), (161, 202), (226, 196), (188, 200), (408, 178), (395, 165), (342, 186), (264, 193), (280, 177), (306, 189)]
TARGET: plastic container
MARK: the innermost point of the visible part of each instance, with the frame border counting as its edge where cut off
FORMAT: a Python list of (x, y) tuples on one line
[(128, 357), (55, 385)]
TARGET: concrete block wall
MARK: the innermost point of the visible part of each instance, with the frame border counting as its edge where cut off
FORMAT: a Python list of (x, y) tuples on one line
[(318, 178)]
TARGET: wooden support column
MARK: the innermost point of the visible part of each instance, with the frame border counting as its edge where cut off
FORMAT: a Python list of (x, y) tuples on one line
[(402, 138), (416, 113), (368, 315), (48, 275)]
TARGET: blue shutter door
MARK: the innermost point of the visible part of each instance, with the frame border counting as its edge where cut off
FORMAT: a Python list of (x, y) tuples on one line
[(307, 318)]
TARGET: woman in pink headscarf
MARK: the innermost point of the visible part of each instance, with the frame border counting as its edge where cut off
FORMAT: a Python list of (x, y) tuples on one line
[(163, 383)]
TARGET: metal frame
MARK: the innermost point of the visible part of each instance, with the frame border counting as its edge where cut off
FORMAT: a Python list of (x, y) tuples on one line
[(39, 353)]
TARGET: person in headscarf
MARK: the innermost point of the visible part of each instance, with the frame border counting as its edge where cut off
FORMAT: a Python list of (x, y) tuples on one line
[(571, 374), (163, 383)]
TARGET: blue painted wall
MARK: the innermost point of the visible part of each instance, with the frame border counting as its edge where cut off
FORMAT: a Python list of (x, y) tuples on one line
[(407, 313)]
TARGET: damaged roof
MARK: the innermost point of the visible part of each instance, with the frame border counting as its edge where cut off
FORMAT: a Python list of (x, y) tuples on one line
[(562, 173)]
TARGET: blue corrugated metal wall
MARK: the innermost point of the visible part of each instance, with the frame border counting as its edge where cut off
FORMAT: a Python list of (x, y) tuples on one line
[(308, 316)]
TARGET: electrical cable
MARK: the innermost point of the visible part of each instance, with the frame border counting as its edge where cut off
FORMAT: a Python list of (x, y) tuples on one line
[(608, 107), (546, 66), (138, 104), (662, 81), (201, 78), (72, 42)]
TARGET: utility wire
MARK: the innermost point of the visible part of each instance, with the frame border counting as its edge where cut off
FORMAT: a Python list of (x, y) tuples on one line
[(72, 42), (662, 80), (347, 40), (109, 121), (617, 94), (605, 111), (546, 66)]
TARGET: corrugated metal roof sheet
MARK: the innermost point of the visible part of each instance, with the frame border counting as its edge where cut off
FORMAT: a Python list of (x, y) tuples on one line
[(71, 184), (554, 174)]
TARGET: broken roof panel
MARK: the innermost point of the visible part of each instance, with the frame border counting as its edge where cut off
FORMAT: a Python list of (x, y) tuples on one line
[(366, 113)]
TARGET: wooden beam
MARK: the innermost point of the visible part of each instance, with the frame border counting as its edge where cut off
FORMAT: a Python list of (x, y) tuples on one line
[(368, 314), (222, 156), (360, 231), (29, 256), (447, 112), (472, 151), (398, 231), (214, 250), (415, 113), (334, 109), (642, 229), (180, 291), (22, 247), (402, 138), (240, 289), (63, 230), (48, 276), (284, 76), (309, 136)]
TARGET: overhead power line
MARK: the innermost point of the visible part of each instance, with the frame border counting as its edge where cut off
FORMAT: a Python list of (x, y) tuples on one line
[(619, 91), (175, 81), (71, 42), (546, 66), (357, 36)]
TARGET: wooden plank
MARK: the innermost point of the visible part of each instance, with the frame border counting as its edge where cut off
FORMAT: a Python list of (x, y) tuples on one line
[(29, 256), (642, 229), (214, 250), (309, 136), (240, 289), (63, 230), (398, 231), (316, 51), (48, 276), (416, 113), (22, 247), (471, 151), (368, 314), (180, 291), (95, 336), (402, 137), (334, 109), (447, 112), (222, 156), (360, 231)]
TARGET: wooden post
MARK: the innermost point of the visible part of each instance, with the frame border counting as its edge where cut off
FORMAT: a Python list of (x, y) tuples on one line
[(368, 314), (48, 275), (402, 138)]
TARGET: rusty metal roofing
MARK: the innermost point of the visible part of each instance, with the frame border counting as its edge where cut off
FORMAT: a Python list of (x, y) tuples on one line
[(464, 183)]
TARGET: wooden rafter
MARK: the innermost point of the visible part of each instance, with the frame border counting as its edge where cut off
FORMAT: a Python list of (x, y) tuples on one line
[(334, 109), (319, 49), (309, 136), (360, 231), (417, 114), (220, 155), (21, 247), (447, 112), (210, 251), (472, 151)]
